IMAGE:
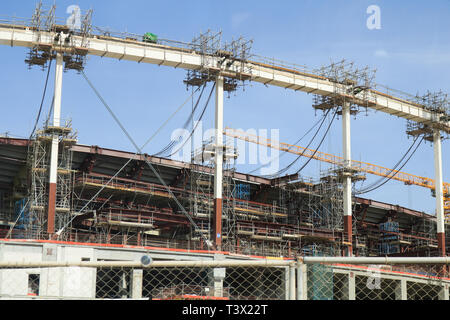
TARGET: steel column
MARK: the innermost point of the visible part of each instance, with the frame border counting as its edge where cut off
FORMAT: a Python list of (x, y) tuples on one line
[(54, 147), (439, 191), (347, 181), (218, 164)]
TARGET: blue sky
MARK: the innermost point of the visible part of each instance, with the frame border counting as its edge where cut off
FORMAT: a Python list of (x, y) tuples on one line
[(411, 52)]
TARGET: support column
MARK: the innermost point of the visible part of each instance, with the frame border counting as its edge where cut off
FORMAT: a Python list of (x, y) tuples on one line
[(136, 283), (439, 191), (302, 281), (349, 287), (401, 290), (218, 164), (443, 293), (54, 146), (217, 277), (123, 286), (347, 180), (292, 291)]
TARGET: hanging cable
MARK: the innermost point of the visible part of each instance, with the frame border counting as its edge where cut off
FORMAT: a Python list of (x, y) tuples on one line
[(42, 101), (47, 121), (380, 180), (186, 124), (143, 146), (391, 176), (129, 160), (321, 141), (295, 143), (139, 151), (198, 121), (303, 152), (171, 116)]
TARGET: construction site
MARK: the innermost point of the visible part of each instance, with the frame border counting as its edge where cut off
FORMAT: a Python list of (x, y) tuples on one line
[(57, 192)]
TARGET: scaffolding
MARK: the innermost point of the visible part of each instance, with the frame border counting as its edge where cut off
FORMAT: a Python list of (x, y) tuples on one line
[(75, 50), (43, 20), (201, 184), (325, 212), (35, 219), (214, 55), (439, 105), (202, 190), (76, 57), (350, 84), (229, 238)]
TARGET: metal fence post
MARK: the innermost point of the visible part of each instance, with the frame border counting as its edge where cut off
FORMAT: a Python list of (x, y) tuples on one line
[(349, 287), (286, 283), (136, 283), (443, 293), (292, 282), (218, 276), (302, 281), (123, 285), (401, 292)]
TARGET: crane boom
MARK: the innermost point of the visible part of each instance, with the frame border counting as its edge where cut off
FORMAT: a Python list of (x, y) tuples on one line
[(404, 177)]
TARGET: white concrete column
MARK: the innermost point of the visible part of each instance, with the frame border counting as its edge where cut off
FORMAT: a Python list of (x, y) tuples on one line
[(136, 283), (443, 293), (218, 276), (349, 287), (292, 290), (302, 282), (54, 147), (439, 190), (347, 181), (218, 179), (123, 286), (401, 291), (58, 89)]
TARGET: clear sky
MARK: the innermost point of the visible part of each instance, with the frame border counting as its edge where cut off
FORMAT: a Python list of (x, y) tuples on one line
[(411, 52)]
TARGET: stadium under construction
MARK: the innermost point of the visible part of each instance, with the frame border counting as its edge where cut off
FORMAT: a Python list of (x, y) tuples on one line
[(58, 192)]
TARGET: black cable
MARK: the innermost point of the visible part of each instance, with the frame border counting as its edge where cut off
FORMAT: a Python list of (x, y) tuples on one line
[(303, 152), (186, 124), (295, 143), (42, 100), (389, 178), (374, 184), (321, 141), (198, 121)]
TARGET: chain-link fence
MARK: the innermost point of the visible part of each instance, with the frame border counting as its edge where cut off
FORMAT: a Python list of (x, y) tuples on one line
[(225, 280), (163, 280), (375, 282)]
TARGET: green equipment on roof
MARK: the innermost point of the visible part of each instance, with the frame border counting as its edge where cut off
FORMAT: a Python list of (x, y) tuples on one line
[(150, 37)]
